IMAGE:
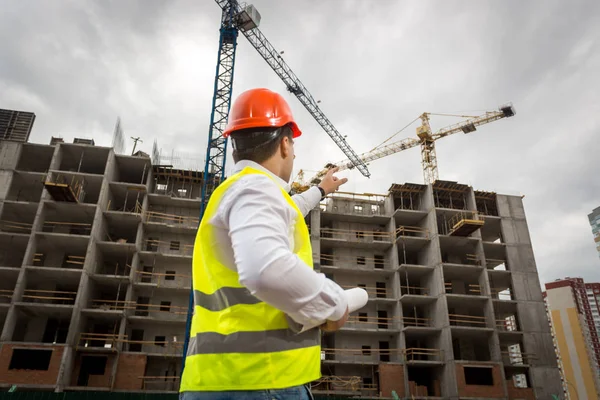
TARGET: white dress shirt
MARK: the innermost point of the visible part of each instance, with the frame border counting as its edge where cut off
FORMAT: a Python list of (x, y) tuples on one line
[(254, 228)]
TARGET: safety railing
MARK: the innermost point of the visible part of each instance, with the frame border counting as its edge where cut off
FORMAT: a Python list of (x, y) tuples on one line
[(469, 289), (5, 295), (71, 228), (141, 309), (367, 322), (414, 290), (169, 248), (165, 383), (337, 383), (467, 320), (162, 347), (15, 227), (466, 259), (373, 291), (165, 279), (363, 354), (135, 208), (69, 261), (49, 296), (416, 321), (412, 231), (422, 354), (356, 236), (114, 269), (98, 340), (171, 219), (362, 262)]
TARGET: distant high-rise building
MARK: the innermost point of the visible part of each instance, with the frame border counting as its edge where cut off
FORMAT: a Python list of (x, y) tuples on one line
[(16, 125), (594, 218), (574, 309)]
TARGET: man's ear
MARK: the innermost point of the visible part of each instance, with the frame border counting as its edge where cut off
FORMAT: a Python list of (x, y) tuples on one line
[(285, 147)]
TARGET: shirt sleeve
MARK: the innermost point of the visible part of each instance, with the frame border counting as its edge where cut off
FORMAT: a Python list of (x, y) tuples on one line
[(259, 221), (308, 200)]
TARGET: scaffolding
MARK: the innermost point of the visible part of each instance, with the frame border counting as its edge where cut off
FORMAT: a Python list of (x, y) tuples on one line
[(62, 190), (464, 223)]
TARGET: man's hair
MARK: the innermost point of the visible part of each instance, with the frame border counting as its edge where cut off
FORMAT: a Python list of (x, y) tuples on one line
[(258, 144)]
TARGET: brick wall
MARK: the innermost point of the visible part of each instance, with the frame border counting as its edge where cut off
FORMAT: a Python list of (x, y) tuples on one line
[(519, 393), (130, 368), (23, 376), (492, 392), (391, 377), (93, 380)]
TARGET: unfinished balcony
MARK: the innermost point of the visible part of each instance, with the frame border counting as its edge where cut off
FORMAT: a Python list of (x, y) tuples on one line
[(47, 328), (423, 348), (157, 305), (106, 300), (344, 235), (125, 198), (467, 315), (408, 197), (518, 383), (184, 184), (355, 261), (359, 350), (112, 263), (67, 220), (375, 319), (451, 195), (26, 187), (379, 289), (35, 158), (491, 231), (157, 271), (411, 238), (415, 252), (82, 159), (161, 375), (17, 218), (471, 347), (354, 208), (73, 188), (513, 355), (495, 256), (419, 319), (131, 169), (486, 203), (166, 215), (462, 285), (155, 340), (59, 254), (119, 230), (170, 246), (12, 251), (99, 335), (501, 286), (416, 284), (508, 324), (460, 254)]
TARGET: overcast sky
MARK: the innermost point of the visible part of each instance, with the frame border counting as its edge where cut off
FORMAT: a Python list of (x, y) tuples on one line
[(375, 66)]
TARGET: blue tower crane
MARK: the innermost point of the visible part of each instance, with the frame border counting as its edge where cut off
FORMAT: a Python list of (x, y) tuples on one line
[(236, 18)]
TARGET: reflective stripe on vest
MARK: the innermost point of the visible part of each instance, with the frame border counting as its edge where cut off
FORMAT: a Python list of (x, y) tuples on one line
[(238, 342)]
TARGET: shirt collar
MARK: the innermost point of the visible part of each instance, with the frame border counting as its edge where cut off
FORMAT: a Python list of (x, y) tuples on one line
[(240, 165)]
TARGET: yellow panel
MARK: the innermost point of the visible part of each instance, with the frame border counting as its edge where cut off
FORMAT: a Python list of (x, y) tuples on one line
[(565, 356), (582, 354)]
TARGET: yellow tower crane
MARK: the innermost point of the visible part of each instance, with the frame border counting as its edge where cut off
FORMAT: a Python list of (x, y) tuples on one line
[(425, 138)]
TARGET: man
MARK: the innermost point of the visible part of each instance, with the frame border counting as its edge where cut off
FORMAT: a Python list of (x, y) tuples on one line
[(254, 283)]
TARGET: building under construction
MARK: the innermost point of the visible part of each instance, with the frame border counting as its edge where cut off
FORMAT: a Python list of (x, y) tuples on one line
[(95, 274)]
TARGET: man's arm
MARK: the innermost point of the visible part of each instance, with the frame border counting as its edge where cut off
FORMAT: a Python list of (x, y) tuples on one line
[(258, 228), (309, 199)]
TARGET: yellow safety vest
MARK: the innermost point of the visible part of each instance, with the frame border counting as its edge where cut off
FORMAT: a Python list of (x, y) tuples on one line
[(238, 342)]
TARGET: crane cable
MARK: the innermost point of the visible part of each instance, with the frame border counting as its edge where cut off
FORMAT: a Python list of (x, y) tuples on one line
[(395, 134)]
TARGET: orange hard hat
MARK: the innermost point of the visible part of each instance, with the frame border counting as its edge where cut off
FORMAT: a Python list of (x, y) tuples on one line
[(260, 108)]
